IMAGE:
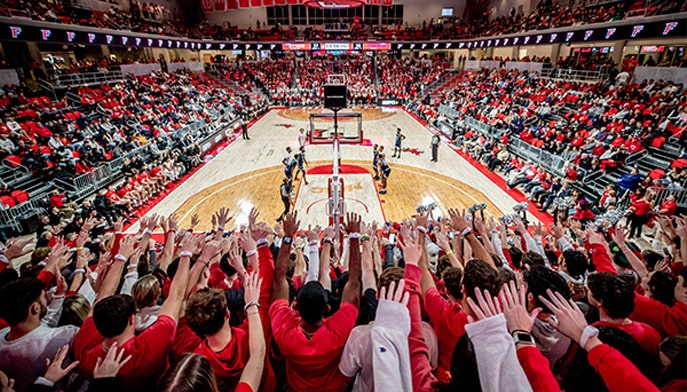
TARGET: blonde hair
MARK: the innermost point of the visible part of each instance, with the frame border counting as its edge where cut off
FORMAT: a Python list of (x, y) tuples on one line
[(146, 291), (74, 310)]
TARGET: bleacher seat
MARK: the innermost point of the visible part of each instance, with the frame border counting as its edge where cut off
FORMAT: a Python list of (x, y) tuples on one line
[(8, 201), (20, 196)]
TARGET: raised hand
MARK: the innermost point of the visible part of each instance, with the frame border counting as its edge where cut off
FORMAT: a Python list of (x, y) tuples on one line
[(330, 232), (291, 224), (246, 241), (236, 261), (422, 219), (119, 225), (396, 295), (251, 286), (54, 371), (458, 221), (485, 307), (539, 230), (595, 238), (82, 239), (314, 234), (61, 287), (557, 230), (411, 250), (253, 218), (260, 231), (15, 247), (620, 235), (515, 308), (210, 250), (59, 255), (571, 321), (442, 239), (222, 218), (352, 223), (109, 367), (127, 246), (88, 224), (194, 221)]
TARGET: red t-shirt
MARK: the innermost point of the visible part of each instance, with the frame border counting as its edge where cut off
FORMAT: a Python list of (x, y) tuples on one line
[(148, 352), (228, 363), (641, 206), (312, 364), (449, 324), (646, 336), (243, 387)]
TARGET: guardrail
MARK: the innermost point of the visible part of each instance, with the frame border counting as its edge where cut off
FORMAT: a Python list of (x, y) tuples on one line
[(571, 74), (12, 217), (550, 162), (634, 158), (68, 80), (661, 195)]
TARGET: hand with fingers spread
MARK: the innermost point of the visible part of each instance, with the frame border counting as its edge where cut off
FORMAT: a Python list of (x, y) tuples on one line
[(236, 261), (539, 230), (571, 321), (330, 232), (514, 303), (395, 294), (442, 239), (291, 224), (246, 241), (314, 234), (54, 372), (556, 230), (15, 247), (479, 224), (411, 250), (210, 250), (110, 365), (486, 306), (422, 219), (88, 224), (119, 225), (222, 218), (194, 222), (251, 285), (352, 223), (59, 255), (82, 239), (620, 235), (595, 238), (458, 221), (127, 246), (253, 218)]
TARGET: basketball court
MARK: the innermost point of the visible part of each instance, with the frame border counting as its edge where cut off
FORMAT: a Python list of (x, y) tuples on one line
[(248, 173)]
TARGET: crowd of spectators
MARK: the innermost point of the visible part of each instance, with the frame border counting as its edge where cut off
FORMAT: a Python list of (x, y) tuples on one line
[(62, 139), (461, 303), (406, 79)]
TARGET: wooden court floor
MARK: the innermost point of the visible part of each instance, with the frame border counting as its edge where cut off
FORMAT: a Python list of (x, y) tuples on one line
[(249, 172)]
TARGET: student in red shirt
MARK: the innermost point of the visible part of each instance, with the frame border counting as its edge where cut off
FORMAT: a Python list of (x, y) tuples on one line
[(112, 319), (310, 343), (641, 210), (614, 298), (196, 369)]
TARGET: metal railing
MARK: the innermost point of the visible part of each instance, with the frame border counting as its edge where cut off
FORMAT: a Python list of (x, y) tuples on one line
[(571, 74), (12, 217), (660, 196), (88, 78), (550, 162), (483, 128)]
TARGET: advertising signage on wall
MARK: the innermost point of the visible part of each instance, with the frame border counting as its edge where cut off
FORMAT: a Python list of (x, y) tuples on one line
[(65, 34)]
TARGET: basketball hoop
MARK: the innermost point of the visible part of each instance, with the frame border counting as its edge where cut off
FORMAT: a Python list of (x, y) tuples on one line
[(336, 79)]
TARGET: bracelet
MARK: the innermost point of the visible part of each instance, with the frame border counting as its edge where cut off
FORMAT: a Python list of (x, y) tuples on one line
[(121, 257), (132, 267), (449, 252), (185, 253), (118, 233), (364, 237), (79, 248), (287, 240), (251, 252), (588, 333), (261, 242), (148, 231), (328, 241), (467, 231), (249, 304), (171, 232), (354, 236), (626, 250), (80, 271), (513, 332), (220, 228), (422, 229)]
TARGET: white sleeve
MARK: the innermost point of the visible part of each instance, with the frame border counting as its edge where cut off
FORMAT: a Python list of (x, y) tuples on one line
[(52, 316), (496, 243), (87, 290), (391, 354), (129, 279), (497, 361), (351, 362), (313, 274)]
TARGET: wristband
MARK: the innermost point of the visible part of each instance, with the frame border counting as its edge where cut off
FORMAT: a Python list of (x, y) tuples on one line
[(261, 242), (287, 240), (121, 257), (132, 267), (80, 271), (313, 243), (328, 241), (79, 248), (449, 252), (148, 231), (354, 236), (422, 229), (220, 228), (249, 304), (364, 237), (118, 233), (588, 333), (185, 253), (252, 252), (466, 231)]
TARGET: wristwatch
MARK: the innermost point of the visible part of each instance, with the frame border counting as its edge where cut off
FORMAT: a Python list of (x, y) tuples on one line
[(523, 338)]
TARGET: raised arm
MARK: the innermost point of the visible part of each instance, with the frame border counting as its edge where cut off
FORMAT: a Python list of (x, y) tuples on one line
[(637, 264), (177, 290), (170, 242), (252, 372), (111, 281), (351, 292), (462, 225), (367, 263), (280, 287)]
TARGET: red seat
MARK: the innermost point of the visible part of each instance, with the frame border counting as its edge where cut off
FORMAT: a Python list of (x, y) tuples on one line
[(20, 196), (13, 160), (7, 201)]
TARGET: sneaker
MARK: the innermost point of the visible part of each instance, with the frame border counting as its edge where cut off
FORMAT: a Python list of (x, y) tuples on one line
[(376, 178), (382, 192)]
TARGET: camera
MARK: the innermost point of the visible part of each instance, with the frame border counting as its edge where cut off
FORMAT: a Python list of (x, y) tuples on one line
[(477, 207), (426, 207)]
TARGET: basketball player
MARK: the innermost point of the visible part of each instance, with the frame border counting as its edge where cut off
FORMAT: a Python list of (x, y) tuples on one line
[(397, 145), (435, 147), (302, 137), (375, 161), (288, 169), (285, 193), (287, 157), (385, 170), (300, 159)]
